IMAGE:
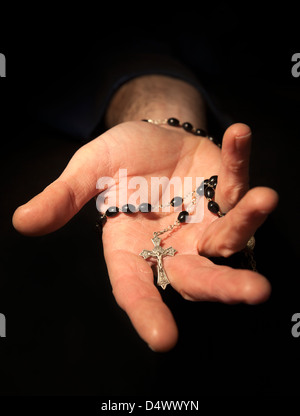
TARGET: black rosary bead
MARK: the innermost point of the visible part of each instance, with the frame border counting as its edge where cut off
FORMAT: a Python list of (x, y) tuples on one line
[(101, 221), (200, 132), (201, 188), (213, 207), (187, 126), (128, 209), (209, 192), (112, 211), (176, 201), (145, 207), (213, 180), (173, 122), (182, 216)]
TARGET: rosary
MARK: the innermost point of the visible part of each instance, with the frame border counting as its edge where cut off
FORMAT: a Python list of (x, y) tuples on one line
[(207, 188)]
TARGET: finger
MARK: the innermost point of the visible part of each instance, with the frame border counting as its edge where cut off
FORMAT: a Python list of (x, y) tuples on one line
[(132, 282), (233, 179), (62, 199), (230, 234), (197, 278)]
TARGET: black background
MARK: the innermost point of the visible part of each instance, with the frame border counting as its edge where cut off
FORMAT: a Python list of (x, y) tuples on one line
[(65, 333)]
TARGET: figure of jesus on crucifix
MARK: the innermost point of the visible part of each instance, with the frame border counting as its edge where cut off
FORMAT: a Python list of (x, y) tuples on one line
[(159, 253)]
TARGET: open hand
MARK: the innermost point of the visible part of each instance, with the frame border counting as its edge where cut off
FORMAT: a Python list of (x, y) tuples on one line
[(148, 150)]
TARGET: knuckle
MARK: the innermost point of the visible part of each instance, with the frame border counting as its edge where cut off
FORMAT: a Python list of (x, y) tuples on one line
[(225, 249), (232, 193), (186, 296), (238, 165)]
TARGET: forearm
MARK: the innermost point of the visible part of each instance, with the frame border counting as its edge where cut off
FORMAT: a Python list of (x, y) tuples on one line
[(156, 97)]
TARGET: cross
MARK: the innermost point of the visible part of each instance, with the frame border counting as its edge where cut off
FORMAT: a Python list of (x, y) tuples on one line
[(159, 253)]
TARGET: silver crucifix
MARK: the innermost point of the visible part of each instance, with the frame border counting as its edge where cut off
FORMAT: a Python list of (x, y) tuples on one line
[(159, 253)]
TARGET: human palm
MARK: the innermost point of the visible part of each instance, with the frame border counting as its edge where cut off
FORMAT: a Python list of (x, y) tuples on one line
[(158, 151)]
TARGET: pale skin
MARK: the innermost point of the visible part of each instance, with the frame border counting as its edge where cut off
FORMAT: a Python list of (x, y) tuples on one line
[(148, 150)]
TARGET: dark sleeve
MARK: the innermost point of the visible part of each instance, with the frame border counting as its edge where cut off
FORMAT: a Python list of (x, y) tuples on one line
[(146, 64), (77, 104)]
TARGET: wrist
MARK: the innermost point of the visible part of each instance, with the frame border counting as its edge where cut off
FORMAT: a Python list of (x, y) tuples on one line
[(156, 97)]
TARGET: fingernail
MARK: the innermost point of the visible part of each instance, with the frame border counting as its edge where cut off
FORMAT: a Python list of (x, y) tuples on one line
[(241, 142), (244, 136)]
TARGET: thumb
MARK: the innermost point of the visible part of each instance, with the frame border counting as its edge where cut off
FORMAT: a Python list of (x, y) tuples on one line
[(63, 198)]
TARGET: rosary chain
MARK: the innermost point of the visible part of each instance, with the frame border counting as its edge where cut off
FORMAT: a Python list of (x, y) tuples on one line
[(165, 230)]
